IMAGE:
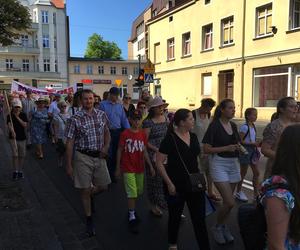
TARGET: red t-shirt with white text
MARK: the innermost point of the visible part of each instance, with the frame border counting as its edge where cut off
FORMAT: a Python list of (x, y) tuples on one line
[(132, 156)]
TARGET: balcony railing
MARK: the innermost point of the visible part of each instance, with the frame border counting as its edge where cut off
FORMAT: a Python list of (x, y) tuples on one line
[(19, 49), (18, 72)]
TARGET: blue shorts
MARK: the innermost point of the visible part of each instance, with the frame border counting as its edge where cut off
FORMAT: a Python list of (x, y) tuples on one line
[(247, 159)]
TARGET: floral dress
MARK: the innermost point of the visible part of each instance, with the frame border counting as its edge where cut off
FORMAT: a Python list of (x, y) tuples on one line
[(155, 190), (38, 126), (285, 196)]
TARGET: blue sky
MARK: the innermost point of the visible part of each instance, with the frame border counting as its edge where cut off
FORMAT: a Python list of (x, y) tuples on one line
[(111, 19)]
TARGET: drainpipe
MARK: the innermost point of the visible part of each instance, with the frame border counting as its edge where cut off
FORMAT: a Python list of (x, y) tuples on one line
[(243, 59)]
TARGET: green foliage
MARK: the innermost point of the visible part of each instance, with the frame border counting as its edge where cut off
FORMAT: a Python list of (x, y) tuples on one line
[(98, 48), (14, 17)]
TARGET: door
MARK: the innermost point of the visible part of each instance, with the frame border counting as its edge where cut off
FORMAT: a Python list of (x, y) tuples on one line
[(226, 84), (297, 87)]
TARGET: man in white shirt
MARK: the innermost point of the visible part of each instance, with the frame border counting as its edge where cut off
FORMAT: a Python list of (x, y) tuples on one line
[(52, 112)]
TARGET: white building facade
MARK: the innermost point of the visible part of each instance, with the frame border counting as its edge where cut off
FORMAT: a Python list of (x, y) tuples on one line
[(39, 57)]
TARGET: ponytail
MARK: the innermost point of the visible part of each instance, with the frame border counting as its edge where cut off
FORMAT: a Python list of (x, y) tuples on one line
[(222, 105)]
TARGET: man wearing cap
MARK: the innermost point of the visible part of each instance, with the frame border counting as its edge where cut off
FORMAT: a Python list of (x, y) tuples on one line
[(117, 122), (17, 124), (88, 131), (28, 107)]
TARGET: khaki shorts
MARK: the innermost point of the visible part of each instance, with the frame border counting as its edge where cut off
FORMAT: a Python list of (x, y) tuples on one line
[(20, 151), (89, 170)]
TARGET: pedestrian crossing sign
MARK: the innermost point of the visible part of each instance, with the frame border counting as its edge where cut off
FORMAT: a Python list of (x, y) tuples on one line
[(148, 78)]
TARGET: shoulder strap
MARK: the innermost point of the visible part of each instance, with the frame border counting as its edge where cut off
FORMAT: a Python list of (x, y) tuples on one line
[(62, 119), (180, 155), (247, 133)]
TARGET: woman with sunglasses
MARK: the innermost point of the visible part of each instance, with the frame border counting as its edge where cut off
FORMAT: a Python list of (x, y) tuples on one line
[(127, 105), (60, 121)]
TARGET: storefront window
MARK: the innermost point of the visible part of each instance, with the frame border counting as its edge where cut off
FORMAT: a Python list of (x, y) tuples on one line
[(270, 84)]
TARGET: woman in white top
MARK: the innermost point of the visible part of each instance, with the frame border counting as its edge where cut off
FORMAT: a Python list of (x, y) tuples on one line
[(60, 121)]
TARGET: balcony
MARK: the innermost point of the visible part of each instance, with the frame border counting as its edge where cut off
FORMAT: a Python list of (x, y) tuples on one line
[(34, 26), (18, 73), (20, 50)]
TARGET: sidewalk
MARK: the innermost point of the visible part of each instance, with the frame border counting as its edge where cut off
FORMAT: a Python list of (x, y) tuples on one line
[(33, 213)]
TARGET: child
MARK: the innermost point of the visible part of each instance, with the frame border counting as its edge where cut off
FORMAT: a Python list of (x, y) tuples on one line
[(131, 158), (248, 138)]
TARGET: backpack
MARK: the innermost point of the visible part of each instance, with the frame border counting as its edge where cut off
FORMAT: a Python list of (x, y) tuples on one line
[(252, 222)]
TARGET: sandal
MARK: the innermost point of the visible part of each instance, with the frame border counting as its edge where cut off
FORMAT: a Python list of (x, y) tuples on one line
[(173, 247), (156, 212)]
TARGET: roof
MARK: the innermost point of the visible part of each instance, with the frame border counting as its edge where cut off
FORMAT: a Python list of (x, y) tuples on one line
[(84, 59), (58, 4)]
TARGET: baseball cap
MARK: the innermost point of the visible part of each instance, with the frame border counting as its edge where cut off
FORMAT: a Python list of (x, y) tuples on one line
[(17, 103), (114, 91)]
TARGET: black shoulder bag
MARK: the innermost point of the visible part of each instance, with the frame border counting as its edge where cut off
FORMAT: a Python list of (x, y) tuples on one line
[(197, 180)]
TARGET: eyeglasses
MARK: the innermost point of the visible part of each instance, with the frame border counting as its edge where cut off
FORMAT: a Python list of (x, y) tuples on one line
[(127, 97), (142, 107)]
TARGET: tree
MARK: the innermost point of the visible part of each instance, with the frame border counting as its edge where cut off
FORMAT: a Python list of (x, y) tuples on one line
[(14, 17), (98, 48)]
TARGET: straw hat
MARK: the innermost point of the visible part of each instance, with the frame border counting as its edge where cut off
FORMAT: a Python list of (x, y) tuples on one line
[(41, 99), (157, 102), (16, 103)]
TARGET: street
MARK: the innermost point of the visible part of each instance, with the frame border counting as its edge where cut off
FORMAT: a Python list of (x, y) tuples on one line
[(111, 215)]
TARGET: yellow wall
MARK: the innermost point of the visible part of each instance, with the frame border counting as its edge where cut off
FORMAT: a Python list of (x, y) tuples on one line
[(181, 79)]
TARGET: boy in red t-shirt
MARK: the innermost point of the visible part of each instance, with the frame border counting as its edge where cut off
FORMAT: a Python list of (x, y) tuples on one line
[(131, 157)]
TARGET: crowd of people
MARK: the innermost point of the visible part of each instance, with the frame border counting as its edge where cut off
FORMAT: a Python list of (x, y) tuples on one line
[(185, 157)]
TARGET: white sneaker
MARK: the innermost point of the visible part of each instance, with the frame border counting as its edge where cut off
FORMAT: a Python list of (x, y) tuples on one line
[(218, 235), (241, 196), (227, 234)]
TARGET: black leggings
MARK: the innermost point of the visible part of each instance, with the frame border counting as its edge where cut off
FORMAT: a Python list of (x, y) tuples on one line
[(196, 204)]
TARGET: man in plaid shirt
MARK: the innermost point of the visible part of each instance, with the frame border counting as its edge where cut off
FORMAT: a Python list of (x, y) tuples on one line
[(88, 131)]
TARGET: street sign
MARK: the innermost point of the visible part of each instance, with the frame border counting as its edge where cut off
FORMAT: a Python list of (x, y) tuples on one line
[(148, 78), (118, 82)]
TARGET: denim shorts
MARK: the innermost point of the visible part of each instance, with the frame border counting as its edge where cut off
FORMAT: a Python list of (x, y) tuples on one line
[(246, 159)]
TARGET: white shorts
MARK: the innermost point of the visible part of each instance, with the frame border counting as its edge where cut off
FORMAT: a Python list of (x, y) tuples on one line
[(225, 169)]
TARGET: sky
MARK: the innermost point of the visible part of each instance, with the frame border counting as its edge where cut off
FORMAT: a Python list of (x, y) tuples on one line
[(111, 19)]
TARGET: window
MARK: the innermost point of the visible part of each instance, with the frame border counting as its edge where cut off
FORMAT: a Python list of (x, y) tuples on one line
[(206, 84), (124, 70), (186, 44), (54, 18), (270, 84), (154, 13), (45, 16), (227, 31), (25, 64), (264, 20), (141, 44), (171, 4), (140, 29), (294, 14), (46, 43), (206, 1), (171, 48), (113, 70), (207, 33), (89, 69), (34, 16), (157, 53), (124, 90), (101, 70), (55, 42), (36, 41), (24, 40), (135, 71), (46, 65), (37, 65), (77, 69), (9, 63), (55, 65)]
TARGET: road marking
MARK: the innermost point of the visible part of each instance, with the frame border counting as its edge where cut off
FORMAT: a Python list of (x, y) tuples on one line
[(248, 185)]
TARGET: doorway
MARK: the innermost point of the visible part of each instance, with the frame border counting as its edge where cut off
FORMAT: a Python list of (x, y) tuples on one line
[(226, 84)]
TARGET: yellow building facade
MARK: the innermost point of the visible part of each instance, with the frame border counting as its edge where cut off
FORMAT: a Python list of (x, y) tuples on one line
[(245, 50)]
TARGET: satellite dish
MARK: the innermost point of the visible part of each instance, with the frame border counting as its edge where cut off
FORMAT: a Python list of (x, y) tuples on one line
[(129, 77)]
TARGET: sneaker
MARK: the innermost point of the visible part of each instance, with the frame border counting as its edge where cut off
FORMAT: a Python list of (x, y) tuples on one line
[(218, 235), (20, 175), (133, 226), (241, 196), (90, 228), (227, 234), (15, 176)]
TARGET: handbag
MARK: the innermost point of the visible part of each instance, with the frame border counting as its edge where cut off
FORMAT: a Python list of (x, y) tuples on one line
[(197, 180)]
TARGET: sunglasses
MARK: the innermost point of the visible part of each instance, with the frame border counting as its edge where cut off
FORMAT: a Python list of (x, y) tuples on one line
[(128, 98), (142, 107)]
